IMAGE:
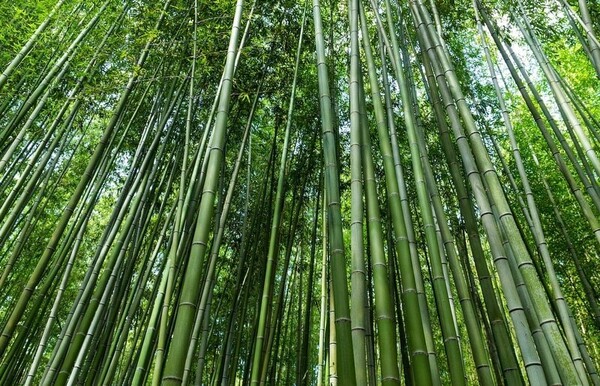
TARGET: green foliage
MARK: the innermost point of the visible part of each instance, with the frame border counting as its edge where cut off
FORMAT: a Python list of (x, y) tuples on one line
[(100, 149)]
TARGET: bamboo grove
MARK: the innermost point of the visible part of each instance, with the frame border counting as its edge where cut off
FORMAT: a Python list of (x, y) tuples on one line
[(359, 192)]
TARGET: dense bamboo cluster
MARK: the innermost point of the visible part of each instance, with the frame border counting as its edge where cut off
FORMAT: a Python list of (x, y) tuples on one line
[(360, 192)]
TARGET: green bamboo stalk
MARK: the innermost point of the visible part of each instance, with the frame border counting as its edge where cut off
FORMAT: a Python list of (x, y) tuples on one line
[(323, 306), (183, 323), (209, 281), (358, 281), (346, 369)]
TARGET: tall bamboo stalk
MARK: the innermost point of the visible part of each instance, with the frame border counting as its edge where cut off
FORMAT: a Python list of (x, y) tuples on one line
[(346, 369)]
